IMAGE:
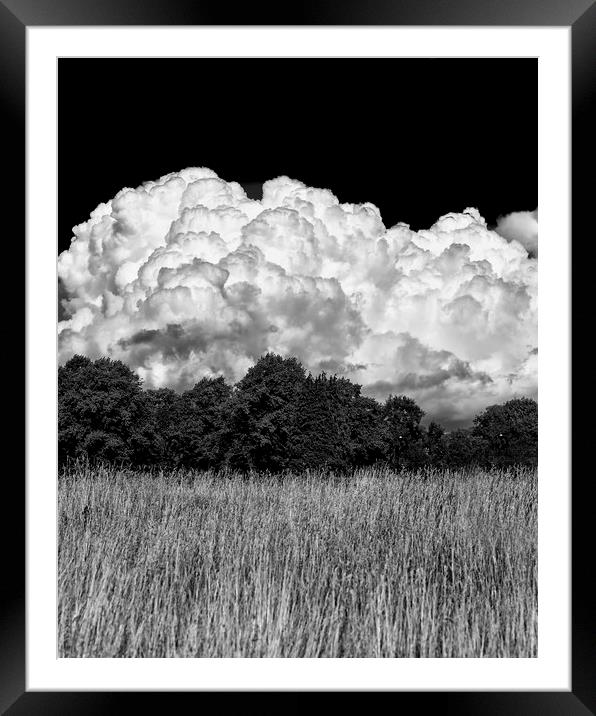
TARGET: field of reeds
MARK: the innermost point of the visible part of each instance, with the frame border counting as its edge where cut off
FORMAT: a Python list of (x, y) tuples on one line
[(376, 564)]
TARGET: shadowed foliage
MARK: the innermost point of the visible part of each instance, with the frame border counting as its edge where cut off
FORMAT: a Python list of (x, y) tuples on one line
[(276, 418), (99, 404), (510, 432)]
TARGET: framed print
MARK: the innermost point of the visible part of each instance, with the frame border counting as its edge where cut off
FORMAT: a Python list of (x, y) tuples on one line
[(287, 329)]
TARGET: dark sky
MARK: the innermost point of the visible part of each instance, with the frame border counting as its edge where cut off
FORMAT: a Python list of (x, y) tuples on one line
[(418, 138)]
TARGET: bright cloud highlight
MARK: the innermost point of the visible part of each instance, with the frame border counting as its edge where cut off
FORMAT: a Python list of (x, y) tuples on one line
[(520, 226)]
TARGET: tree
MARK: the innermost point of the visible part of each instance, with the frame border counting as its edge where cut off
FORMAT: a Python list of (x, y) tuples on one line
[(365, 431), (510, 431), (201, 425), (99, 403), (464, 449), (157, 438), (326, 433), (401, 430), (275, 418), (261, 413), (435, 445), (184, 429)]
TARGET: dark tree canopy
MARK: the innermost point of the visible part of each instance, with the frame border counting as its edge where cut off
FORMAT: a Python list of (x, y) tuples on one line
[(186, 427), (260, 415), (435, 445), (510, 431), (401, 430), (462, 448), (99, 404), (325, 432), (275, 418)]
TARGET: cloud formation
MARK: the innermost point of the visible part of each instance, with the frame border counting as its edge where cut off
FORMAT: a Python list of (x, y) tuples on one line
[(520, 226), (186, 277)]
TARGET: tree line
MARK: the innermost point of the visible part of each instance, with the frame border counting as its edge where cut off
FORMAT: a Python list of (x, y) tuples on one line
[(277, 417)]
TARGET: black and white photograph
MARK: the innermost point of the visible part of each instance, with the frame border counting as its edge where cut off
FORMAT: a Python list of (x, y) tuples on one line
[(298, 358)]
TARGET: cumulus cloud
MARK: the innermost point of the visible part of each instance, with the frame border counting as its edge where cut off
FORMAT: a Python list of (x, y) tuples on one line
[(520, 226), (187, 276)]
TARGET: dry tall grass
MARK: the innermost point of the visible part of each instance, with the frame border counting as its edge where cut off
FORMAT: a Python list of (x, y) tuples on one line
[(375, 565)]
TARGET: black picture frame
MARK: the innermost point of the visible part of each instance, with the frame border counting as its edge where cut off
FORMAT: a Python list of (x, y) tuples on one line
[(15, 17)]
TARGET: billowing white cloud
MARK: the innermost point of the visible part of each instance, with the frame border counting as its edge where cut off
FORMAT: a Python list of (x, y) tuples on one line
[(520, 226), (186, 277)]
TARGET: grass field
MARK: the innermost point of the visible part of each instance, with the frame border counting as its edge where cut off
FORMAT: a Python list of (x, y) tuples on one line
[(373, 565)]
